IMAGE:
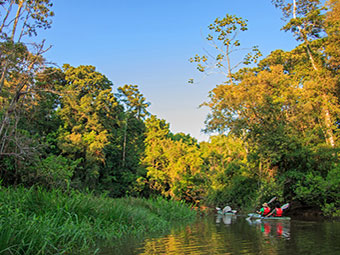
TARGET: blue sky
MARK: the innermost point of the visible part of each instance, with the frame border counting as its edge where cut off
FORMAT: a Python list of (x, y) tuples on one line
[(148, 43)]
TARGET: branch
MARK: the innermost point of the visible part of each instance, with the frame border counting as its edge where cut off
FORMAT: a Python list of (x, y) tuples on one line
[(6, 16)]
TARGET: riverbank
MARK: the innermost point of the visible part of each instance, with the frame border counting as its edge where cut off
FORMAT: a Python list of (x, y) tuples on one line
[(34, 221)]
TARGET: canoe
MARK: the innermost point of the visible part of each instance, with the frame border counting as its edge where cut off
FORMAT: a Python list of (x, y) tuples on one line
[(258, 216)]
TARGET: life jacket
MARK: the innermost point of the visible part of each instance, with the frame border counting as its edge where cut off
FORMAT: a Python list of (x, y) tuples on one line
[(266, 210), (278, 212)]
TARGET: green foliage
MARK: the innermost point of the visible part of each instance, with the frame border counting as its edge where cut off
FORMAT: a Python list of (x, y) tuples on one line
[(19, 64), (310, 190), (331, 210), (186, 138), (238, 192), (229, 176), (285, 110), (38, 222), (316, 190), (173, 166), (123, 156), (55, 171), (133, 100), (65, 128), (268, 189), (86, 104)]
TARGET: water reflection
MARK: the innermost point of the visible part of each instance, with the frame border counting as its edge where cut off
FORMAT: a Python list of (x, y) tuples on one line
[(230, 235), (271, 228), (226, 219), (236, 235)]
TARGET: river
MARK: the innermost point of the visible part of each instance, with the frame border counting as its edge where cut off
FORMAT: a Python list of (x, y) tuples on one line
[(237, 235)]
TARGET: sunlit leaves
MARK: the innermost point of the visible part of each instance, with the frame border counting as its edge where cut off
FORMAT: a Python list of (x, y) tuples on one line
[(333, 31), (133, 100), (252, 57), (173, 165), (226, 27), (86, 105), (25, 16)]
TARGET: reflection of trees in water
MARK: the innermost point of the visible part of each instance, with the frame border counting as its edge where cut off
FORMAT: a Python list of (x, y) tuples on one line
[(230, 234), (214, 236)]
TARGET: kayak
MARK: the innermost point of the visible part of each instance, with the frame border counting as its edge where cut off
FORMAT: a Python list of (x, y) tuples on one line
[(258, 216), (226, 213)]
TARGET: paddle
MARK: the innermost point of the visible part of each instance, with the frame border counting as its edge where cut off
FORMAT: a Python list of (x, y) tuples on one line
[(285, 206), (271, 200)]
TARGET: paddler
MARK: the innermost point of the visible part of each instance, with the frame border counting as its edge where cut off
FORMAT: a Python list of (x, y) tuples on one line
[(265, 210), (277, 212)]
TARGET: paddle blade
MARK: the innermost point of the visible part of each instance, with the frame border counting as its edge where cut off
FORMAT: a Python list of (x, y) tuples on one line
[(218, 209), (285, 206), (271, 200)]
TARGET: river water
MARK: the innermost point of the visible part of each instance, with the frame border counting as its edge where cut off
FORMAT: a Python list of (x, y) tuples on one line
[(237, 235)]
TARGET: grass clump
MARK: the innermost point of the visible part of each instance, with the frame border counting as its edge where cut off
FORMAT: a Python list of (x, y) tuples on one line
[(34, 221)]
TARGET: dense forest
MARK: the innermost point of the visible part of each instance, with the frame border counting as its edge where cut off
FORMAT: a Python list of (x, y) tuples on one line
[(276, 116)]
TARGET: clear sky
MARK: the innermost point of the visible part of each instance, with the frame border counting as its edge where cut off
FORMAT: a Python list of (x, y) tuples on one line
[(148, 43)]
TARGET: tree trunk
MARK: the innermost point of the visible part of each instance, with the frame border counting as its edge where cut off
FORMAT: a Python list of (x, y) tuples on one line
[(325, 110)]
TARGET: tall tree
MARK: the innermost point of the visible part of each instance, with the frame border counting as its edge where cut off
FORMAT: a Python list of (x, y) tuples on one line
[(286, 108), (306, 19), (87, 100), (136, 107), (126, 148), (333, 31), (19, 65), (224, 41)]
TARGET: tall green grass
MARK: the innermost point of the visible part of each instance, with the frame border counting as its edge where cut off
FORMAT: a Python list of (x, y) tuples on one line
[(34, 221)]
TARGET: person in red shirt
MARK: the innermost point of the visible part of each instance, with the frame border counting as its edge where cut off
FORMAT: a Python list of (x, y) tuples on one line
[(277, 212), (265, 210)]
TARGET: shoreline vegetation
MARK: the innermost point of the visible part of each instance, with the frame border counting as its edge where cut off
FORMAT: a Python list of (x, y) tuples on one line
[(36, 221)]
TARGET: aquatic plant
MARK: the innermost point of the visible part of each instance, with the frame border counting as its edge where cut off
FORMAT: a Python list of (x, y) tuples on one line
[(35, 221)]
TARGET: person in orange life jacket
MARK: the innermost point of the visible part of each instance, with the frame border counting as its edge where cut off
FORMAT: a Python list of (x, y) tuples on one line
[(277, 212), (264, 210)]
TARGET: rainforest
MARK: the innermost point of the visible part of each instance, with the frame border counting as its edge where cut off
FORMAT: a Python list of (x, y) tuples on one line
[(72, 146)]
